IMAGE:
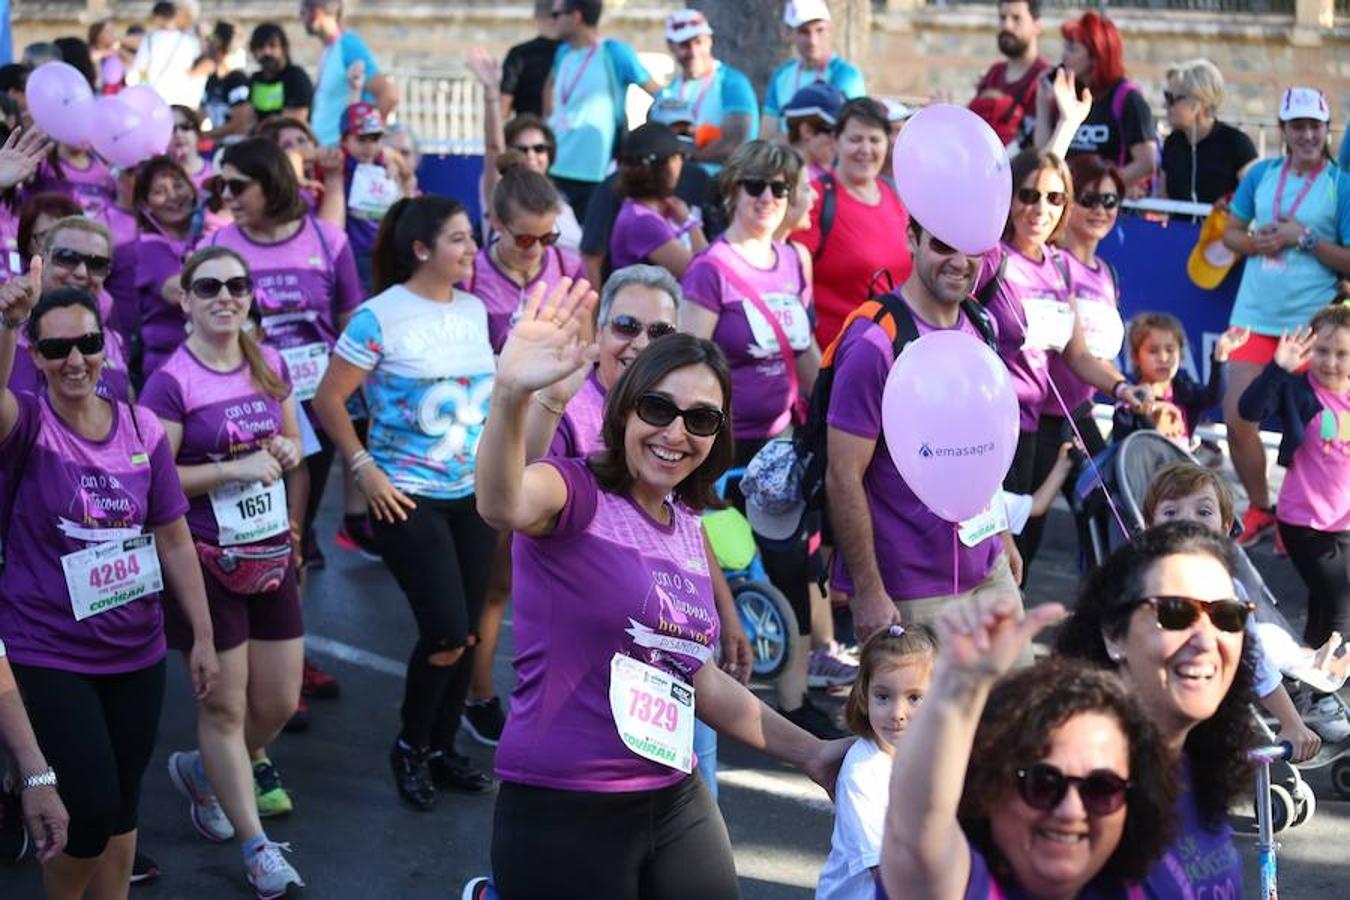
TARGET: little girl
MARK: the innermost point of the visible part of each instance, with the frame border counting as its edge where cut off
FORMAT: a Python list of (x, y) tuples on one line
[(893, 674), (1314, 503)]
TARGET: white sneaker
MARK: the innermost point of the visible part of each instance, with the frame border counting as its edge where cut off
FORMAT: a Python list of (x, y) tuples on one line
[(1327, 718), (207, 816), (269, 873)]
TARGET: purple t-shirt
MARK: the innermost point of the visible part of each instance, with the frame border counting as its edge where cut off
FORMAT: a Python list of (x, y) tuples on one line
[(92, 187), (608, 580), (114, 382), (121, 280), (224, 415), (982, 885), (1096, 299), (913, 546), (1027, 291), (303, 284), (578, 433), (11, 260), (163, 325), (70, 494), (759, 373), (637, 231), (504, 298), (1202, 864)]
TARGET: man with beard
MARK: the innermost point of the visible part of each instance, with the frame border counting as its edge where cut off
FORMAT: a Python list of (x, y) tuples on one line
[(895, 554), (1006, 96), (346, 62), (279, 87)]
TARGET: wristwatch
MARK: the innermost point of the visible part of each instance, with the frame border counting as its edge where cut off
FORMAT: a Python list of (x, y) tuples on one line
[(1307, 241), (41, 779), (13, 324)]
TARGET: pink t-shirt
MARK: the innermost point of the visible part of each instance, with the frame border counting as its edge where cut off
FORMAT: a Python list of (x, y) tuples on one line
[(504, 298), (1096, 300), (609, 580), (637, 232), (92, 187), (1316, 490), (578, 433)]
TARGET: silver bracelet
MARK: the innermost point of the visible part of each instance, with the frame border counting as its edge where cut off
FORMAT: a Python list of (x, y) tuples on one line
[(41, 779)]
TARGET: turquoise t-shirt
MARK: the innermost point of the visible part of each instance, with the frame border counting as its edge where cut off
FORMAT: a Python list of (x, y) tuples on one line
[(791, 77), (725, 92), (1284, 292), (330, 88), (589, 87)]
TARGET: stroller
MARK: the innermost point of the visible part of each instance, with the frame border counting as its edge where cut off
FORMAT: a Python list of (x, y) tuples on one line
[(1126, 469)]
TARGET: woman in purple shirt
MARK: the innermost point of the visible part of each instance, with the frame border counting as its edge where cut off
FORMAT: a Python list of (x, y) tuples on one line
[(93, 520), (615, 619), (1162, 614), (165, 199), (226, 407), (654, 226), (1046, 784)]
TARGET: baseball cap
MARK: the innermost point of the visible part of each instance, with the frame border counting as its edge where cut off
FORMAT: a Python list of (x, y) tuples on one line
[(816, 99), (897, 111), (671, 111), (1210, 260), (772, 490), (799, 12), (362, 118), (650, 143), (1304, 103), (686, 24)]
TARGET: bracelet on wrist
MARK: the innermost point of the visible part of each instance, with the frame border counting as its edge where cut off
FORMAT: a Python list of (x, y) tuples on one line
[(13, 324), (39, 780)]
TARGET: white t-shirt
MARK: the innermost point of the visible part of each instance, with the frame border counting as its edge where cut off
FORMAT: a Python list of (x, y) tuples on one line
[(164, 61), (861, 795)]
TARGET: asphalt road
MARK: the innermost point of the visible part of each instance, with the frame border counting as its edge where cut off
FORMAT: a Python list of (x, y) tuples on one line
[(351, 838)]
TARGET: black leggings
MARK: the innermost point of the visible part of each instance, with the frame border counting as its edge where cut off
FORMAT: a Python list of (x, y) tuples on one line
[(1322, 559), (667, 844), (97, 732), (441, 557), (788, 565), (319, 465)]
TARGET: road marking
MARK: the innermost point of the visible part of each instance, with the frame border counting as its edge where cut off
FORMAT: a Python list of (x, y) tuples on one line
[(784, 787), (355, 655)]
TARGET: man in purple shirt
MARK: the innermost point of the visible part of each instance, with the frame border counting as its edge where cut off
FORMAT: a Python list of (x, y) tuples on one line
[(895, 555)]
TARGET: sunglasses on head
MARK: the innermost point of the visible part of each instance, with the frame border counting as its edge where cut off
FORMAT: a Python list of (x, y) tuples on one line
[(1092, 200), (1030, 196), (1180, 613), (239, 286), (941, 248), (542, 149), (1043, 787), (89, 344), (526, 241), (755, 187), (1172, 99), (232, 186), (701, 421), (67, 258), (629, 327)]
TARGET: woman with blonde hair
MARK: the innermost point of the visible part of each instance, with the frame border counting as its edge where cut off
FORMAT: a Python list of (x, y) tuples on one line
[(1203, 159)]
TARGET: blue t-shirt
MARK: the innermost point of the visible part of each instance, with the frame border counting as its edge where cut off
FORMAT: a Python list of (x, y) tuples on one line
[(1284, 292), (712, 98), (791, 77), (330, 88), (430, 368), (589, 87)]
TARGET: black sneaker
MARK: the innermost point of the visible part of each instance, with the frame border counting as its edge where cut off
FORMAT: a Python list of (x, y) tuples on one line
[(412, 777), (485, 720), (814, 720), (457, 772), (13, 834), (143, 869)]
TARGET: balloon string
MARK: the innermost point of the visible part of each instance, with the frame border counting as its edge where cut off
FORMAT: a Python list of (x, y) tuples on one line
[(956, 561), (1096, 472)]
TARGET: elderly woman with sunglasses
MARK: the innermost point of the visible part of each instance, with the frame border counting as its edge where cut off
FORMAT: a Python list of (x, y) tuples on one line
[(615, 621), (1028, 289), (750, 293), (1047, 784), (1162, 614), (93, 518)]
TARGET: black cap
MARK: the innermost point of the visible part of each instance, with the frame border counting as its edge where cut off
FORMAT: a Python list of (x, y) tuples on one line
[(650, 143)]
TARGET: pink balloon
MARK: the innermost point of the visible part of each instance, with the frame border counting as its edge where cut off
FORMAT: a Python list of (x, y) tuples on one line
[(950, 418), (156, 114), (58, 98), (953, 176), (115, 130)]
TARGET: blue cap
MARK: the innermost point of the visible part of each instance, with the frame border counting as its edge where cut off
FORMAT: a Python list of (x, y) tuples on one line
[(816, 99)]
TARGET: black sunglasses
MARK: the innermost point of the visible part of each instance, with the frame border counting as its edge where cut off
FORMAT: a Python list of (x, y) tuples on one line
[(629, 327), (1092, 200), (70, 259), (702, 421), (526, 241), (1043, 787), (755, 187), (1180, 613), (941, 248), (59, 348), (542, 149), (209, 288), (1031, 195), (1172, 99), (233, 186)]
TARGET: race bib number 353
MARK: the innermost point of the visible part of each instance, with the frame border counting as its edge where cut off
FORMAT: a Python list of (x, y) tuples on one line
[(112, 574)]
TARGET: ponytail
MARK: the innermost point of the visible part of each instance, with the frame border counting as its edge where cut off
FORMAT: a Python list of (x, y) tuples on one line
[(264, 376), (522, 189), (410, 220), (388, 267)]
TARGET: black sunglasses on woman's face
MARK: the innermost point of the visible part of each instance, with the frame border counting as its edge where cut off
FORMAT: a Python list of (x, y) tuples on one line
[(701, 421), (90, 344)]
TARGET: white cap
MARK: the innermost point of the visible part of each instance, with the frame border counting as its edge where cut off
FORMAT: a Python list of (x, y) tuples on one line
[(686, 24), (1304, 103), (799, 12), (897, 111)]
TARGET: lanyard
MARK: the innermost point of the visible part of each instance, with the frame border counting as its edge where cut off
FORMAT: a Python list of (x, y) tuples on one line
[(1303, 191), (702, 95), (565, 93), (797, 76)]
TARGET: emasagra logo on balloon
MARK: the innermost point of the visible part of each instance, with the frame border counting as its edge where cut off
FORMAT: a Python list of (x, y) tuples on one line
[(947, 452)]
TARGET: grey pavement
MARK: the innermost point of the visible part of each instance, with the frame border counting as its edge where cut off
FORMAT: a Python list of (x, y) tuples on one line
[(351, 838)]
